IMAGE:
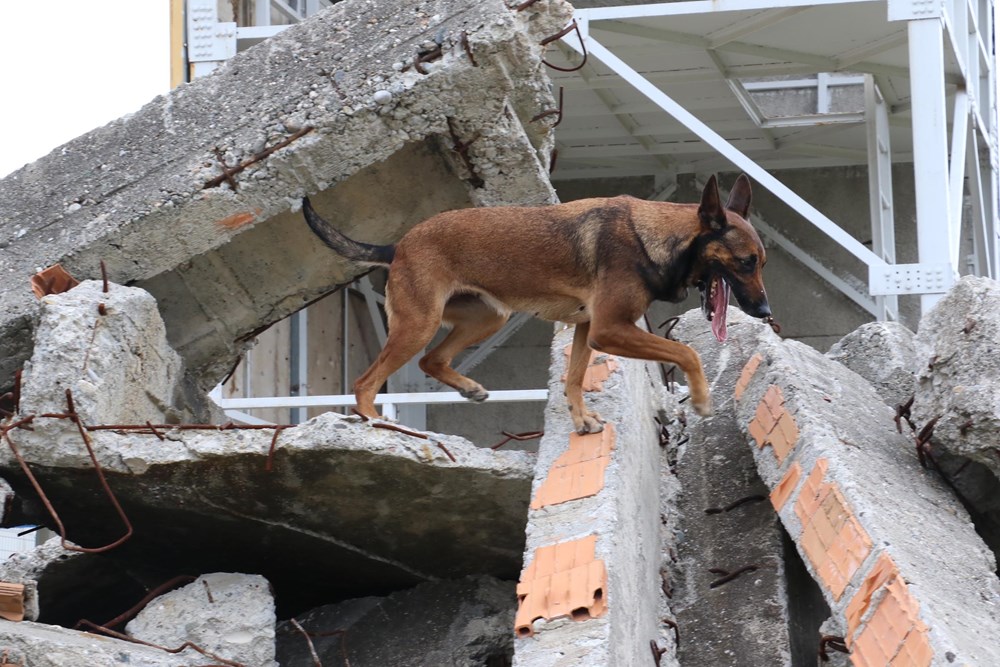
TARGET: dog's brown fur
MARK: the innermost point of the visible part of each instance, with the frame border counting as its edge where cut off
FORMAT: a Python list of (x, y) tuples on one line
[(594, 263)]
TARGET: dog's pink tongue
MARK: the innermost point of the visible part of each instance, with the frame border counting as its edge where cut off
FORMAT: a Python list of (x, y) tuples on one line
[(720, 304)]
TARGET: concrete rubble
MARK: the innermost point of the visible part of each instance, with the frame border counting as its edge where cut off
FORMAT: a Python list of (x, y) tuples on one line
[(958, 345), (227, 614), (377, 143), (884, 353), (462, 623)]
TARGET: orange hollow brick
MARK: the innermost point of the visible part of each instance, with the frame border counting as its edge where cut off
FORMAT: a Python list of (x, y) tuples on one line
[(748, 370), (563, 580), (579, 471), (783, 489)]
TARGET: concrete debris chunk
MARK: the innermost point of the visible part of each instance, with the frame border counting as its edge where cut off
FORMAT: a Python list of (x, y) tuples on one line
[(889, 544), (460, 623), (40, 645), (228, 614), (144, 192), (884, 353), (110, 350), (958, 344)]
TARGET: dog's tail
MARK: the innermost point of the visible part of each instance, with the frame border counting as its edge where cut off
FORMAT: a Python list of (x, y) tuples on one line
[(364, 253)]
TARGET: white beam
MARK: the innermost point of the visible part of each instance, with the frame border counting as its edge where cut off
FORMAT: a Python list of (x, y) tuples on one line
[(956, 171), (698, 7), (930, 146), (401, 398), (827, 226), (751, 24)]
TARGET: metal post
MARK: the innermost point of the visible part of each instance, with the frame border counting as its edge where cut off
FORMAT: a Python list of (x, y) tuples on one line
[(930, 147), (880, 188)]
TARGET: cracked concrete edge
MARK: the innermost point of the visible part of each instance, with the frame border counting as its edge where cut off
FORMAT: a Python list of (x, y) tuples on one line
[(623, 516), (42, 645), (905, 513), (130, 192)]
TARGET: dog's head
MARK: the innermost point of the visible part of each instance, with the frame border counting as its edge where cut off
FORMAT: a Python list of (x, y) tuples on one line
[(730, 256)]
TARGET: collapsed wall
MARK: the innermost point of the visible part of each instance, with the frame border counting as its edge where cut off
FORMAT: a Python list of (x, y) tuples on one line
[(384, 112)]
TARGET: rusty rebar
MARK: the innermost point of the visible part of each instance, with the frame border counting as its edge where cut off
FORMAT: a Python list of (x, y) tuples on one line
[(922, 440), (558, 112), (729, 576), (670, 623), (274, 443), (903, 412), (186, 645), (229, 172), (104, 277), (524, 5), (445, 450), (461, 148), (559, 35), (468, 49), (132, 611), (312, 649), (520, 437), (755, 498), (657, 651), (833, 642), (775, 327)]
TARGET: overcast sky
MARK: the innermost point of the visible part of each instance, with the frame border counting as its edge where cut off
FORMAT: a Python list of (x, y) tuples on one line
[(69, 66)]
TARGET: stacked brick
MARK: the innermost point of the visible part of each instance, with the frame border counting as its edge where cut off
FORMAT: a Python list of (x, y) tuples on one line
[(893, 551)]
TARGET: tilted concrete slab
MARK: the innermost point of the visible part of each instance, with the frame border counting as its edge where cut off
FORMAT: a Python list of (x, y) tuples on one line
[(893, 550), (370, 508), (380, 157), (726, 522)]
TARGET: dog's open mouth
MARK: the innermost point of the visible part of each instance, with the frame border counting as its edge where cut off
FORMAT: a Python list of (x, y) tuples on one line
[(714, 302)]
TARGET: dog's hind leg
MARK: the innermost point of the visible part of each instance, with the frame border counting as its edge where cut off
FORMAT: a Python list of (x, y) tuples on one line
[(584, 421), (413, 322), (472, 321)]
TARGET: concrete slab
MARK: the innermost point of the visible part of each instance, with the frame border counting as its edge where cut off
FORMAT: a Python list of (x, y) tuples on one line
[(590, 590), (134, 194), (725, 522), (884, 353), (41, 645), (893, 550)]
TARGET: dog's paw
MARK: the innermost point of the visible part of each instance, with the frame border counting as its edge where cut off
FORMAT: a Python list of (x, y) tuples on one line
[(476, 395), (703, 407), (590, 423)]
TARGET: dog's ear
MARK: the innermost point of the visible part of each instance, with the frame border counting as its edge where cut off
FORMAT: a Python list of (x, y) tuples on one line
[(739, 197), (710, 212)]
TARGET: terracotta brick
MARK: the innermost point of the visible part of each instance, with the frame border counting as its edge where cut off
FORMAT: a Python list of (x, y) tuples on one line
[(757, 432), (781, 443), (562, 580), (765, 418), (881, 574), (788, 427), (915, 652), (748, 370), (783, 490), (774, 400), (868, 652), (579, 471), (832, 538)]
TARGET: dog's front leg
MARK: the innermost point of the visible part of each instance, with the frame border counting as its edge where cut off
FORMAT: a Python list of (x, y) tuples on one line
[(624, 338), (584, 421)]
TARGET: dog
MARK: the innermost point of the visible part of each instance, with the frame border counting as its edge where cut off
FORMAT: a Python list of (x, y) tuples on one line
[(594, 263)]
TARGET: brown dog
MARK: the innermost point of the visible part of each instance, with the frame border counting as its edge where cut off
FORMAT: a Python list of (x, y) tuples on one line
[(594, 263)]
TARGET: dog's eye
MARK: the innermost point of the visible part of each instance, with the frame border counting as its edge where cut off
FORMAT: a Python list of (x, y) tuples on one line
[(748, 263)]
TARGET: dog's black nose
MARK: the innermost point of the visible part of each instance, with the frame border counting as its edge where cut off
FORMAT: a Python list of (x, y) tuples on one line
[(760, 310)]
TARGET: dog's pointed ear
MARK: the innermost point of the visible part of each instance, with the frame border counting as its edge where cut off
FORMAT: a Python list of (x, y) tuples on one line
[(710, 212), (739, 197)]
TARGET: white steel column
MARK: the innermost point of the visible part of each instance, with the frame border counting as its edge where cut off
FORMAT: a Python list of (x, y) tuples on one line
[(880, 189), (930, 147)]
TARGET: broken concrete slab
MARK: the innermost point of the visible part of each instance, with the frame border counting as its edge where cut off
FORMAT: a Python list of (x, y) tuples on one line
[(958, 343), (144, 193), (378, 501), (723, 520), (888, 543), (41, 645), (884, 353), (228, 614), (462, 623)]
